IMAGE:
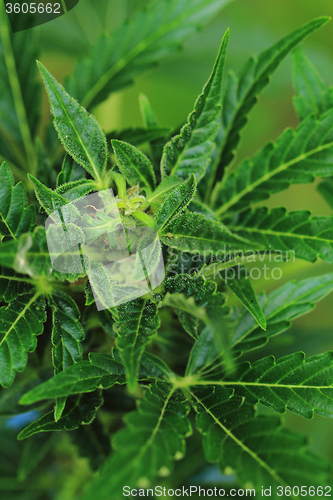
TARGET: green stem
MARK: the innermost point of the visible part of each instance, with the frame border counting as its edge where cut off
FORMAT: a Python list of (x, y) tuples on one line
[(16, 90)]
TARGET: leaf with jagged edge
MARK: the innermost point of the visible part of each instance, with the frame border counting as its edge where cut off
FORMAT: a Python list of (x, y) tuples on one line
[(175, 202), (47, 198), (142, 42), (194, 233), (293, 234), (311, 97), (67, 335), (154, 437), (71, 171), (303, 386), (296, 158), (20, 322), (241, 94), (134, 165), (283, 305), (203, 296), (79, 132), (326, 190), (241, 286), (80, 410), (191, 150), (30, 255), (101, 370), (20, 91), (12, 285), (257, 448), (16, 217), (136, 323), (311, 94), (75, 190)]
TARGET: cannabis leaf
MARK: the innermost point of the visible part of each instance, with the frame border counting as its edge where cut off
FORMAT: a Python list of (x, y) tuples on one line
[(136, 323), (175, 202), (79, 132), (20, 322), (304, 386), (296, 158), (242, 288), (194, 233), (294, 232), (136, 46), (282, 306), (134, 165), (101, 370), (190, 151), (256, 448), (15, 216), (78, 411), (154, 435), (312, 97), (241, 94)]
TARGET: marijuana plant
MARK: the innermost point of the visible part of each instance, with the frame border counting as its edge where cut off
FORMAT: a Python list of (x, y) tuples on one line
[(194, 372)]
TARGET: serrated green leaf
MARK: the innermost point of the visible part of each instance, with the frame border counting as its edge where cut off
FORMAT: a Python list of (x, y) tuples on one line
[(12, 285), (285, 304), (194, 233), (71, 171), (28, 255), (19, 92), (134, 165), (293, 234), (78, 411), (136, 324), (256, 448), (296, 158), (242, 288), (242, 92), (191, 150), (154, 434), (303, 386), (20, 322), (144, 41), (48, 199), (175, 202), (15, 216), (74, 190), (102, 370), (79, 132), (67, 332), (312, 97), (326, 190)]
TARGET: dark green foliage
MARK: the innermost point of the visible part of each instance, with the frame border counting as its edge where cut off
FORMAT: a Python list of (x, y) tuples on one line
[(182, 345)]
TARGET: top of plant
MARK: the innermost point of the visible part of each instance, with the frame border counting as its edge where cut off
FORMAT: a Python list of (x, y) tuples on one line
[(202, 207)]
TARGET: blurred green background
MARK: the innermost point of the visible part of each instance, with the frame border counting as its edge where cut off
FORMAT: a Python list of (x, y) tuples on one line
[(172, 89)]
